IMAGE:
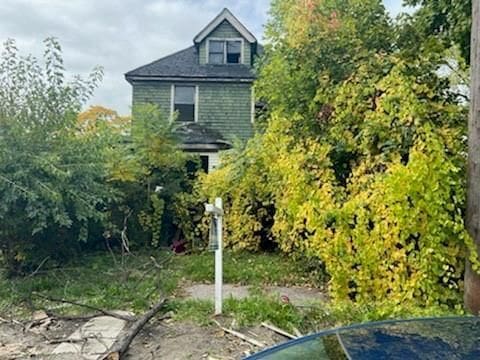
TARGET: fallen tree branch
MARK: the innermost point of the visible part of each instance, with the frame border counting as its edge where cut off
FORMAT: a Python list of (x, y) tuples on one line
[(70, 341), (241, 336), (72, 317), (120, 346), (278, 330), (35, 272), (93, 308), (11, 321)]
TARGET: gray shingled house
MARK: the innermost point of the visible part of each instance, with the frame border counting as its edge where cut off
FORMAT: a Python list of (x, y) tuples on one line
[(206, 87)]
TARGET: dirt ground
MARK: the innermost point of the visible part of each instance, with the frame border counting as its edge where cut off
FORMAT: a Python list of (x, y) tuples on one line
[(168, 340), (160, 339), (184, 340)]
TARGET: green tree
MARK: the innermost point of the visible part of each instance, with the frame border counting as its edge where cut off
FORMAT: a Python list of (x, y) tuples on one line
[(449, 20), (52, 180), (314, 45)]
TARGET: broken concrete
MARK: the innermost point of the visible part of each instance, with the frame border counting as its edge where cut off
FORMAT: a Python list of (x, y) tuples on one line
[(93, 339)]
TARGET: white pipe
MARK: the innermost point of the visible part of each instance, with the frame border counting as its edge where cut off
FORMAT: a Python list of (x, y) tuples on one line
[(218, 260)]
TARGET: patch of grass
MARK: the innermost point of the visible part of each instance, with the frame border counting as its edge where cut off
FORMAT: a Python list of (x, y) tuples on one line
[(256, 309), (198, 311), (251, 269), (252, 311), (96, 280), (103, 281)]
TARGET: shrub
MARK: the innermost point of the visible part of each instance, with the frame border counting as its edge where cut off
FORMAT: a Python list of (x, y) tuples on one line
[(377, 196), (52, 184), (150, 171)]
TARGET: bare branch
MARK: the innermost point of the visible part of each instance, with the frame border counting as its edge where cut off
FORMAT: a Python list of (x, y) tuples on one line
[(102, 311)]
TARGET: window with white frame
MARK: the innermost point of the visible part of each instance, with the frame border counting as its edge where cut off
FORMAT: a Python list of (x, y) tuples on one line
[(184, 102), (234, 52), (224, 51), (216, 52)]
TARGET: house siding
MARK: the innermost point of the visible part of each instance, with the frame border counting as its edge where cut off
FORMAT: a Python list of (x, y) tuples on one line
[(225, 107), (225, 31), (153, 92)]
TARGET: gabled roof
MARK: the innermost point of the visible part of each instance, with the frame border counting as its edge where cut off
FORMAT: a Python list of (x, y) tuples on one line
[(225, 14), (184, 65)]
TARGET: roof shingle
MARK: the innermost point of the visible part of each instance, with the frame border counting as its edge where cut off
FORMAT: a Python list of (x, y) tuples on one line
[(184, 64)]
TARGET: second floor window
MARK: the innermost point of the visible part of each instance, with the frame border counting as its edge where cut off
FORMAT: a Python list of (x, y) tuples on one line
[(184, 103), (224, 52)]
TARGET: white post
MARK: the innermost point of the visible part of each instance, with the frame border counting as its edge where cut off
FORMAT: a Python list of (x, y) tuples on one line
[(218, 260)]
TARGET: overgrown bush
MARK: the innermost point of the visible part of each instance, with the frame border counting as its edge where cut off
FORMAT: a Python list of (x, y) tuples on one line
[(394, 231), (361, 164), (52, 186), (149, 169), (70, 180)]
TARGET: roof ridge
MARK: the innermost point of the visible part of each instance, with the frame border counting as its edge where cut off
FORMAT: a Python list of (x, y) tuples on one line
[(227, 15), (160, 59)]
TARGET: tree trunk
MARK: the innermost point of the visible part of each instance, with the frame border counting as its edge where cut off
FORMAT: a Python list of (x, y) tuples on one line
[(472, 280)]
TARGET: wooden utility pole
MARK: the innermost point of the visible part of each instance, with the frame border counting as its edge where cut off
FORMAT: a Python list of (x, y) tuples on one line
[(472, 279)]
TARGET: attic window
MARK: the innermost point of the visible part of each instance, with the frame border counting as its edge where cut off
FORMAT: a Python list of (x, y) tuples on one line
[(216, 52), (185, 103), (224, 51), (234, 51)]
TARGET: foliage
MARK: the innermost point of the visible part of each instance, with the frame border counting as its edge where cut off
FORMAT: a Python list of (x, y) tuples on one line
[(399, 233), (401, 238), (316, 44), (360, 164), (450, 21), (68, 176), (52, 186), (189, 210), (342, 313), (96, 117), (150, 170), (242, 186)]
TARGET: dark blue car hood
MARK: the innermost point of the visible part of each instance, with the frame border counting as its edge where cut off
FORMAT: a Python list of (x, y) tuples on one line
[(432, 338)]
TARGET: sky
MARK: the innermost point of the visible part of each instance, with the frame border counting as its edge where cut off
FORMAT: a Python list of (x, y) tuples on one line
[(121, 35)]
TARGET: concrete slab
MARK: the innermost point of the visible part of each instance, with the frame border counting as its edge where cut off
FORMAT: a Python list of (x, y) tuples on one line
[(299, 296), (93, 339)]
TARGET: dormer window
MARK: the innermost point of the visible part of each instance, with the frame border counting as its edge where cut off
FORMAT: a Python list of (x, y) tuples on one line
[(234, 52), (224, 51), (216, 52)]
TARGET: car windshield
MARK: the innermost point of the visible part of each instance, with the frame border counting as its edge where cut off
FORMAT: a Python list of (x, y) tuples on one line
[(445, 338)]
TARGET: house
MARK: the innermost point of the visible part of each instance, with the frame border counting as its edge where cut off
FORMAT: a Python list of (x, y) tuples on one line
[(206, 88)]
